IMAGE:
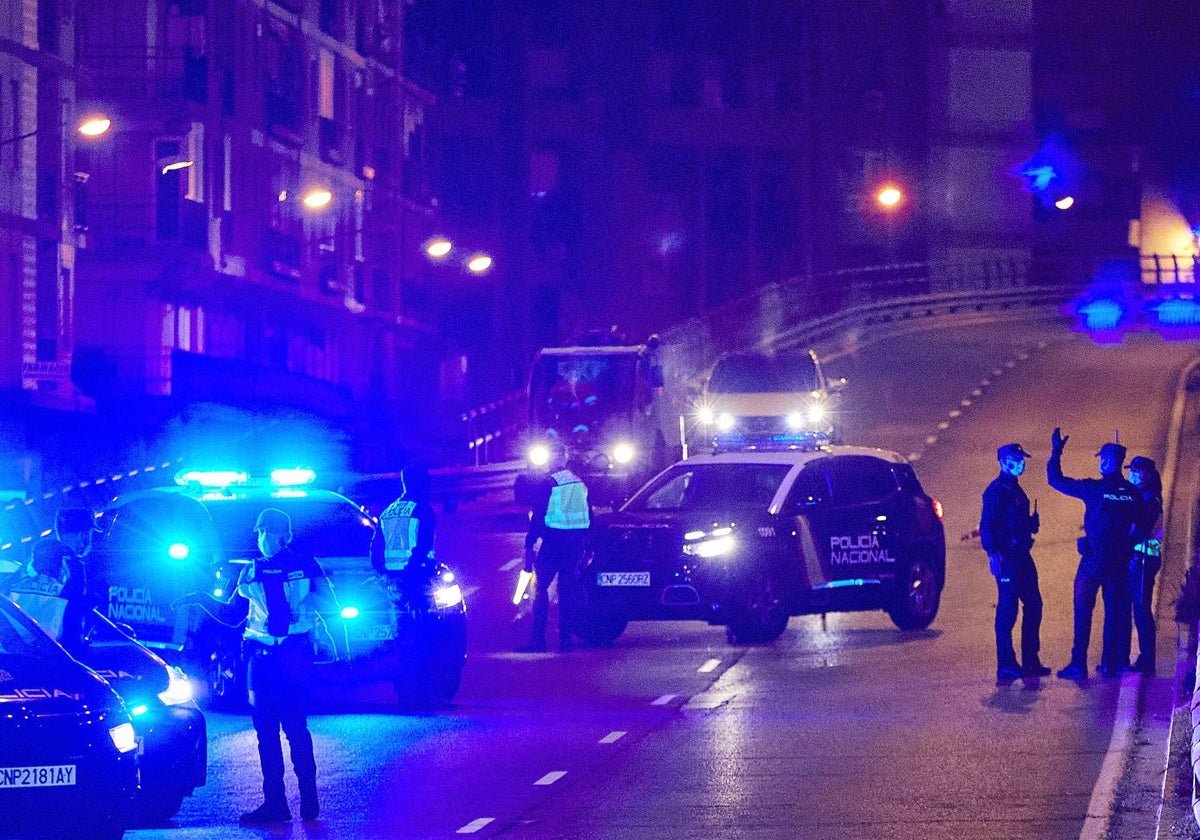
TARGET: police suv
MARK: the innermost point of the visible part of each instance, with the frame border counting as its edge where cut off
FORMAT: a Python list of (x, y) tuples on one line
[(748, 538), (166, 542)]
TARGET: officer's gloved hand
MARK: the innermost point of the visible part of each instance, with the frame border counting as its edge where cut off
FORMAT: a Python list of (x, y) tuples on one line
[(529, 558), (994, 564), (1058, 441)]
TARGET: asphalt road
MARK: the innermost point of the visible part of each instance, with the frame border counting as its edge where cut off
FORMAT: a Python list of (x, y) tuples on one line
[(845, 727)]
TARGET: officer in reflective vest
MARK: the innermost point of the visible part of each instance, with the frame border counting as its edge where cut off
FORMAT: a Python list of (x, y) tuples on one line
[(405, 535), (52, 588), (279, 595), (560, 520), (1147, 560)]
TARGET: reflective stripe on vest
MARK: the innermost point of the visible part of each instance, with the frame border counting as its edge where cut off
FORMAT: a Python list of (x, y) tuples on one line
[(567, 509), (399, 534)]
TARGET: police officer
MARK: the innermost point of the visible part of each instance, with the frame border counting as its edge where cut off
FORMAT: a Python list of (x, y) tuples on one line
[(1006, 530), (1112, 510), (52, 588), (1147, 560), (405, 535), (279, 595), (560, 519)]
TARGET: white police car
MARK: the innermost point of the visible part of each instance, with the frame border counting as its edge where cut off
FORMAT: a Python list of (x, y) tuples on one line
[(166, 542), (747, 539)]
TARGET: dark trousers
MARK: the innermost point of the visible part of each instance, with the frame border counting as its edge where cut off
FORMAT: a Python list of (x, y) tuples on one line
[(1141, 590), (559, 556), (1114, 651), (1018, 587), (278, 678)]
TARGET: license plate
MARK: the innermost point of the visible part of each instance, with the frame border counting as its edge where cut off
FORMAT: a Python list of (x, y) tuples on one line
[(50, 775), (623, 578)]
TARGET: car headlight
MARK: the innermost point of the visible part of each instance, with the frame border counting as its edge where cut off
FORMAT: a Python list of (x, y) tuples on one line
[(714, 543), (445, 597), (725, 422), (705, 415), (623, 453), (539, 455), (123, 737), (816, 413), (795, 421), (178, 690)]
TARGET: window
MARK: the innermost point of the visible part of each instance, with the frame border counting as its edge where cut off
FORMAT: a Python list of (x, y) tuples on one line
[(811, 488), (859, 479), (712, 487)]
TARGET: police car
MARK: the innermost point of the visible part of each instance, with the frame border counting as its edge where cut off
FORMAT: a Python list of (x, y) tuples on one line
[(170, 728), (166, 542), (68, 750), (748, 538)]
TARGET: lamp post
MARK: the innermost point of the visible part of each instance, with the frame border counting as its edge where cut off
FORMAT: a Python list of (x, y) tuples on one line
[(92, 126)]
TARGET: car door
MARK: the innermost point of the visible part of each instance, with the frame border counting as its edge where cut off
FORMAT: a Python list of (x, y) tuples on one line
[(845, 525)]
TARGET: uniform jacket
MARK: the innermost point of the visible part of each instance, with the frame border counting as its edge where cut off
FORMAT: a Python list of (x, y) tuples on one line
[(1113, 512), (51, 590), (1006, 526), (285, 592)]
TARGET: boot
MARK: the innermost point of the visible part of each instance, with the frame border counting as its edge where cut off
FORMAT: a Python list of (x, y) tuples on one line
[(268, 812)]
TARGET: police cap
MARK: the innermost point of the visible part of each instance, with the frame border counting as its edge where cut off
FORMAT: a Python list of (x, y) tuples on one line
[(74, 520), (1112, 450), (1011, 450), (274, 521)]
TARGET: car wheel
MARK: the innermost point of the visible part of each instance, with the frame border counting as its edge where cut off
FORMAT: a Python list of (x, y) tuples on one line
[(600, 629), (916, 603), (157, 805), (761, 617)]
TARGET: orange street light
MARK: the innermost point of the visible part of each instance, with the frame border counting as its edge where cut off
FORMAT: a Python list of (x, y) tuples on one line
[(317, 198), (479, 264), (889, 196), (438, 248)]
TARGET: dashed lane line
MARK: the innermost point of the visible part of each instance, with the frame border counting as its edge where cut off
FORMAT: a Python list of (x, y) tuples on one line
[(475, 825), (614, 736), (709, 666), (551, 777), (664, 700)]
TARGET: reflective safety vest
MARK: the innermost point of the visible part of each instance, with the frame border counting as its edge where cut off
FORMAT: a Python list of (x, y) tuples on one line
[(297, 586), (42, 600), (567, 509), (399, 534)]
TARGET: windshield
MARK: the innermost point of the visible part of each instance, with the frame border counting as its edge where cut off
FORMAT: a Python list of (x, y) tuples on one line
[(19, 636), (323, 528), (756, 373), (699, 487), (570, 392)]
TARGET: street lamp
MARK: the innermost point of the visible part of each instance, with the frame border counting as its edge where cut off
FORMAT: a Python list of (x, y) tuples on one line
[(438, 248), (317, 198), (889, 197), (479, 263), (92, 126)]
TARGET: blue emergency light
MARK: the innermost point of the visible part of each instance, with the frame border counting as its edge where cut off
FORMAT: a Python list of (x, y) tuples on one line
[(292, 477), (210, 478), (178, 551)]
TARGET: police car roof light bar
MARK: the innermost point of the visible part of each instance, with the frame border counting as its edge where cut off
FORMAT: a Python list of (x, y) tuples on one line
[(292, 477), (210, 478), (799, 441)]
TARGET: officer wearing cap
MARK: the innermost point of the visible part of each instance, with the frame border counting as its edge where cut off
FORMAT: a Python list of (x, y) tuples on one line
[(279, 596), (1006, 529), (560, 520), (1112, 510), (52, 588), (1147, 560)]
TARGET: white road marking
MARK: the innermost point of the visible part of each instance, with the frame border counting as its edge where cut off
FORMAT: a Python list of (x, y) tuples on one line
[(613, 737), (709, 666), (551, 777), (955, 414), (1095, 824), (664, 700), (945, 424), (512, 564), (965, 403), (475, 825), (978, 392), (931, 440)]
